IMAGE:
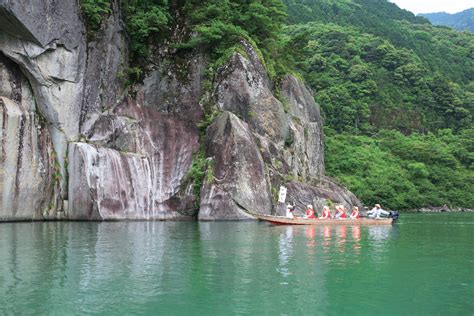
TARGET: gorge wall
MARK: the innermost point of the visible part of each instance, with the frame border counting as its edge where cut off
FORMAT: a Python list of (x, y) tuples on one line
[(77, 144)]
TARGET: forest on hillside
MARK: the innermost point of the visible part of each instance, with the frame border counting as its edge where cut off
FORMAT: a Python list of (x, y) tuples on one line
[(397, 93)]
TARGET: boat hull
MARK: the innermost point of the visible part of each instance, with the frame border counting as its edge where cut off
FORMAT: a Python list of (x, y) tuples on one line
[(281, 220)]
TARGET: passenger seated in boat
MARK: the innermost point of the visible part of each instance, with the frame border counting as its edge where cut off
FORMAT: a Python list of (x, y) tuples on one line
[(310, 212), (289, 211), (355, 213), (376, 212), (340, 212), (326, 213)]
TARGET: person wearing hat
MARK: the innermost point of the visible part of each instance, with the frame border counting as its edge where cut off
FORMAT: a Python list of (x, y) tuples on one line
[(340, 212), (326, 213), (310, 212), (376, 212), (289, 211), (355, 213)]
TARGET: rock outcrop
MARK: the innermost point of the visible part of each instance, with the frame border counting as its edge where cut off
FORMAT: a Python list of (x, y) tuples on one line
[(236, 181), (287, 134), (77, 143), (243, 88)]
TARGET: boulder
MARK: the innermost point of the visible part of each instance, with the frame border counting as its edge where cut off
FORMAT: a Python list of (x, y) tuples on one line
[(238, 182)]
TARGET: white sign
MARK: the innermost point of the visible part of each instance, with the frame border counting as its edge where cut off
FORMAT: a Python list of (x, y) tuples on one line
[(282, 195)]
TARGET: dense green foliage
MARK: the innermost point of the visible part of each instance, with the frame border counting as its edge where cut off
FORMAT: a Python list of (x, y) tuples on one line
[(397, 95), (146, 21), (219, 25), (94, 12), (462, 21), (364, 82), (405, 171)]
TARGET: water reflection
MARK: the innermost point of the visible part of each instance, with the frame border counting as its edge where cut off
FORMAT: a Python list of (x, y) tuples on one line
[(310, 232), (356, 245), (379, 234), (286, 249), (341, 237)]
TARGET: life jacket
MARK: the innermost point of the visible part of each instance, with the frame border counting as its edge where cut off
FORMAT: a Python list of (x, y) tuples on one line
[(326, 214), (310, 213), (343, 215), (355, 214)]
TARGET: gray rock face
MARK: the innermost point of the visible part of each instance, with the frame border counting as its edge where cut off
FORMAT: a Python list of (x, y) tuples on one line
[(310, 143), (107, 56), (27, 181), (243, 88), (42, 22), (134, 167), (46, 39), (290, 143), (54, 61), (176, 88), (239, 181)]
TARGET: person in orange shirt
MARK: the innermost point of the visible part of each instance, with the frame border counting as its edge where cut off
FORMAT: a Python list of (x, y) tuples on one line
[(310, 212), (326, 213), (355, 213)]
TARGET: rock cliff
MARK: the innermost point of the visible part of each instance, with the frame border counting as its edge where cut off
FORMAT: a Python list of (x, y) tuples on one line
[(77, 143)]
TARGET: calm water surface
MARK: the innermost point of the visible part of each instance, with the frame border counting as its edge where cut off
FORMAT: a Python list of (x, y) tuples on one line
[(422, 265)]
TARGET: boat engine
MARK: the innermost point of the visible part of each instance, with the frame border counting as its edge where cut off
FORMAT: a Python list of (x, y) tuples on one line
[(393, 214)]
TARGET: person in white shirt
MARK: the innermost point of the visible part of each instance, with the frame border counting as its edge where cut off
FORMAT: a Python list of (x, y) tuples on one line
[(289, 211), (376, 212)]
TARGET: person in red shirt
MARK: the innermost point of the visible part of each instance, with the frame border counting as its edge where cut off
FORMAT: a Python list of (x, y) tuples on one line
[(326, 213), (310, 212), (355, 213), (340, 212)]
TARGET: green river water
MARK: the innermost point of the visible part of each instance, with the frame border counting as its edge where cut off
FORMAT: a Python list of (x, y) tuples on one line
[(423, 265)]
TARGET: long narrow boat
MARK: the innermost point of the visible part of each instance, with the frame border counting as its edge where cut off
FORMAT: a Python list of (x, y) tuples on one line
[(282, 220)]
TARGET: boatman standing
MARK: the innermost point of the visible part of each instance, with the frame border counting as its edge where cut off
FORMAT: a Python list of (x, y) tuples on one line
[(289, 211), (376, 212)]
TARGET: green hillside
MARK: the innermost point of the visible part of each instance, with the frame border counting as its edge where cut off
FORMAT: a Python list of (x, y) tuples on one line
[(398, 99)]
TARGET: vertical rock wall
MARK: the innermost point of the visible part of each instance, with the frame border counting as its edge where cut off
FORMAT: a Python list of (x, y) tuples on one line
[(29, 178), (133, 167), (236, 181), (46, 40)]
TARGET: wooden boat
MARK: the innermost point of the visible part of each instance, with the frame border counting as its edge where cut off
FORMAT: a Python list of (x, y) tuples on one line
[(282, 220)]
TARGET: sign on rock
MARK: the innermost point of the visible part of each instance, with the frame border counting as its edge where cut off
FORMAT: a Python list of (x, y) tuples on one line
[(282, 195)]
